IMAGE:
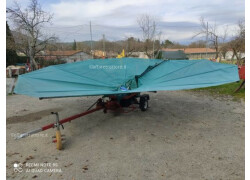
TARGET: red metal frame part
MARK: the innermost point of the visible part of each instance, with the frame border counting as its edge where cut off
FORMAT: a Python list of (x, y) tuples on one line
[(241, 72), (111, 104), (99, 106), (71, 118)]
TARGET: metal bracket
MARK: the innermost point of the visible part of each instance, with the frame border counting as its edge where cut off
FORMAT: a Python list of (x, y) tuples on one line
[(57, 124)]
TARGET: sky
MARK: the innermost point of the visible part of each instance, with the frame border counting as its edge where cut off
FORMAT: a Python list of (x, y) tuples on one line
[(177, 20)]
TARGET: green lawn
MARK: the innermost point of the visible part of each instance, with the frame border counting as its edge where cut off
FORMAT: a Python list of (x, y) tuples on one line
[(229, 62), (226, 89)]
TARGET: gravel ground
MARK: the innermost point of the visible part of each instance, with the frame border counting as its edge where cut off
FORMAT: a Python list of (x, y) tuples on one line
[(183, 135)]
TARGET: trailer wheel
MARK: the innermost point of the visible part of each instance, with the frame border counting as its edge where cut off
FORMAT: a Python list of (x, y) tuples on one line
[(143, 103), (58, 140)]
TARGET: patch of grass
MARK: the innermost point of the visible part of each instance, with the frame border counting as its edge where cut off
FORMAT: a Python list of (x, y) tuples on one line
[(229, 62), (226, 89)]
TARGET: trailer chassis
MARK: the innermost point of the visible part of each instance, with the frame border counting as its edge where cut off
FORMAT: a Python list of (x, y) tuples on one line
[(114, 103)]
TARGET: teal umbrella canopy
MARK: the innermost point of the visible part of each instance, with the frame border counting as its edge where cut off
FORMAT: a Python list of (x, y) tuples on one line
[(125, 75)]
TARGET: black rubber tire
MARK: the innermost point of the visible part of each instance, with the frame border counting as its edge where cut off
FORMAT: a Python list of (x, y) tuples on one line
[(143, 103)]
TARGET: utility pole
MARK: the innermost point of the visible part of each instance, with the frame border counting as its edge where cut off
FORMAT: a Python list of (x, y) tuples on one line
[(103, 42), (154, 26), (127, 45), (206, 40), (91, 46), (153, 48)]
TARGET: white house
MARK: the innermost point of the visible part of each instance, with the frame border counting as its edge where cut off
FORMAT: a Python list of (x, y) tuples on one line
[(68, 56), (230, 55)]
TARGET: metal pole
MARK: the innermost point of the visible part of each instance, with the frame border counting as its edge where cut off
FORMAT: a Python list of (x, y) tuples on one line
[(103, 43), (52, 125), (206, 40), (153, 48), (91, 46)]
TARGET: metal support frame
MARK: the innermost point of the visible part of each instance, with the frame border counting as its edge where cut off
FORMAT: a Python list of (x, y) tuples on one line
[(111, 104), (58, 122)]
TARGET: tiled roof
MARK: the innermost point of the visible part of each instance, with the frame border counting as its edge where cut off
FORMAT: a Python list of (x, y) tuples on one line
[(48, 57), (168, 49), (192, 50), (62, 53)]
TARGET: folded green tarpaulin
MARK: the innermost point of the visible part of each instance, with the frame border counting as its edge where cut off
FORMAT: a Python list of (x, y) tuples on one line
[(125, 75)]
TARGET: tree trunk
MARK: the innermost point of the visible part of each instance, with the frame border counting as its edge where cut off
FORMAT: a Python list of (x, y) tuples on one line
[(216, 47), (237, 57), (34, 63), (216, 52), (232, 58)]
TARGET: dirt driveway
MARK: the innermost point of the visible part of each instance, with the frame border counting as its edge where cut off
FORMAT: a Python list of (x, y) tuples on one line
[(183, 135)]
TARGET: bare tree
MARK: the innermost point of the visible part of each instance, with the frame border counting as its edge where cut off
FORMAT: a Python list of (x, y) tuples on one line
[(148, 26), (238, 43), (132, 45), (212, 35), (224, 47), (197, 44), (29, 22), (11, 55)]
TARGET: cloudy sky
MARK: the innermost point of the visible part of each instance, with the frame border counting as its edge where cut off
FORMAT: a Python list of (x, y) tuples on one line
[(177, 20)]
